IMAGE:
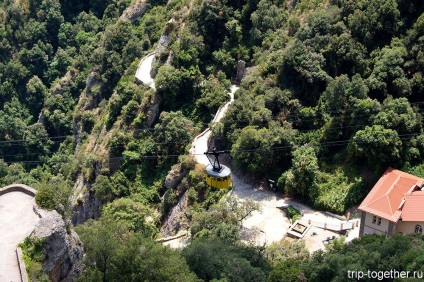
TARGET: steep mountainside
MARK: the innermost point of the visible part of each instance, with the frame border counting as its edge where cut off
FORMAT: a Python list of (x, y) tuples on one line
[(333, 96)]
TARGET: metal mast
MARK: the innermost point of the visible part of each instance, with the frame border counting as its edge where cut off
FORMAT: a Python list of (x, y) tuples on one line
[(216, 166)]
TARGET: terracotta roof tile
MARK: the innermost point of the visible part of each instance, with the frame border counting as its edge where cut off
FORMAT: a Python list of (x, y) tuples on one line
[(413, 209), (386, 196)]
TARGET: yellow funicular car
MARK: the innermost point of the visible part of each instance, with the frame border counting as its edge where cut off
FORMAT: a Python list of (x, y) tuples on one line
[(217, 175)]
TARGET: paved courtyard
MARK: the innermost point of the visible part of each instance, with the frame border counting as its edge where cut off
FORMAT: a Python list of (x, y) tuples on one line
[(17, 220)]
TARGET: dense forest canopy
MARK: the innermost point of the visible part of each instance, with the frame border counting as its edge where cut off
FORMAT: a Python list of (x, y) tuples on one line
[(333, 96)]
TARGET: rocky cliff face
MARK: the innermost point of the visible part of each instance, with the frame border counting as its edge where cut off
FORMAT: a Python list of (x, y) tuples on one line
[(241, 71), (162, 47), (176, 219), (135, 10), (85, 204), (62, 249)]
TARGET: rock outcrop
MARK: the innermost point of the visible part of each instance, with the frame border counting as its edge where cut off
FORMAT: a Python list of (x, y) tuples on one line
[(85, 204), (58, 88), (135, 10), (241, 71), (176, 221), (174, 177), (62, 249), (163, 44)]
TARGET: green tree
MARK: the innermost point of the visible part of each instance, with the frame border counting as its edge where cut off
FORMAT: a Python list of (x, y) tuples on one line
[(374, 22), (217, 259), (397, 114), (177, 86), (267, 18), (112, 253), (36, 93), (213, 96), (101, 242), (278, 252), (301, 178), (174, 132), (222, 219), (136, 216), (288, 270), (341, 93), (378, 145), (54, 193), (388, 76)]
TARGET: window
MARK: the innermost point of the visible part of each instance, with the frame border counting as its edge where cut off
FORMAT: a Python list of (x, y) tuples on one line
[(379, 221), (374, 219), (418, 229)]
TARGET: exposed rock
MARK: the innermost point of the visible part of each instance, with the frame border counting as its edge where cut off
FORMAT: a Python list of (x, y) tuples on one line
[(91, 80), (241, 71), (153, 112), (85, 204), (63, 82), (163, 44), (92, 96), (41, 117), (63, 251), (174, 177), (134, 11), (175, 221)]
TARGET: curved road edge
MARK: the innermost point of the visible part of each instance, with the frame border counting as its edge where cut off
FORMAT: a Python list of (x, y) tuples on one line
[(30, 192)]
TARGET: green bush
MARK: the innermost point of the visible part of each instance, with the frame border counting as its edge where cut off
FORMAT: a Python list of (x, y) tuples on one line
[(32, 250), (292, 212)]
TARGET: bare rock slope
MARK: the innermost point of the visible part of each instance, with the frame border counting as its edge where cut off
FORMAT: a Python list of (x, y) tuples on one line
[(62, 248)]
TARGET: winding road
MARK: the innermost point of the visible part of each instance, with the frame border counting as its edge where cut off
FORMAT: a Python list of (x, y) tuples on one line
[(143, 71), (267, 225)]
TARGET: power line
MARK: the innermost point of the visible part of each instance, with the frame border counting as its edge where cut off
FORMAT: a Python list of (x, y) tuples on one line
[(278, 148)]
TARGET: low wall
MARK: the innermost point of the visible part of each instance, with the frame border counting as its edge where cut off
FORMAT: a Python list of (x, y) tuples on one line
[(18, 188), (22, 269)]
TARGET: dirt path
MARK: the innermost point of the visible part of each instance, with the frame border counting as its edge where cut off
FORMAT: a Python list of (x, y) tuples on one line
[(17, 220)]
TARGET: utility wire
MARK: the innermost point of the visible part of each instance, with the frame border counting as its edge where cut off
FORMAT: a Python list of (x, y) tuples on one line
[(278, 148)]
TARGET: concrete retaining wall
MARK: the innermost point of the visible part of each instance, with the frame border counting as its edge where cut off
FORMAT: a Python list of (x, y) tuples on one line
[(22, 269), (18, 188)]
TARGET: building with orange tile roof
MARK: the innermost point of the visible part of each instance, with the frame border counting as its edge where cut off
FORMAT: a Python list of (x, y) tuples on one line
[(394, 205)]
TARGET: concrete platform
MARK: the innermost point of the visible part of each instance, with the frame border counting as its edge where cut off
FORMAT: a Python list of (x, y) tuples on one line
[(17, 221)]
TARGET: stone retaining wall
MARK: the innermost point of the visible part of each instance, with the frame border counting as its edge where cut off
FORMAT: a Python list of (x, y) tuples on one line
[(18, 188)]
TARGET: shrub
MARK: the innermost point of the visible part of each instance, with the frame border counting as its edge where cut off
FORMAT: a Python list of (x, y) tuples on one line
[(292, 212), (32, 250)]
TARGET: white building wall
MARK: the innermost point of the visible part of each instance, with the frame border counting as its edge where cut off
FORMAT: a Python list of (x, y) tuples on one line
[(375, 228)]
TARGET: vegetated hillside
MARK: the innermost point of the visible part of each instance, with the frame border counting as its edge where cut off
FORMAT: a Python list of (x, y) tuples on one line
[(332, 99)]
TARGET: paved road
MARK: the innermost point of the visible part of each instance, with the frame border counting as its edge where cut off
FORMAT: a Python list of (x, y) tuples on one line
[(200, 144), (269, 224), (143, 71), (17, 220)]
